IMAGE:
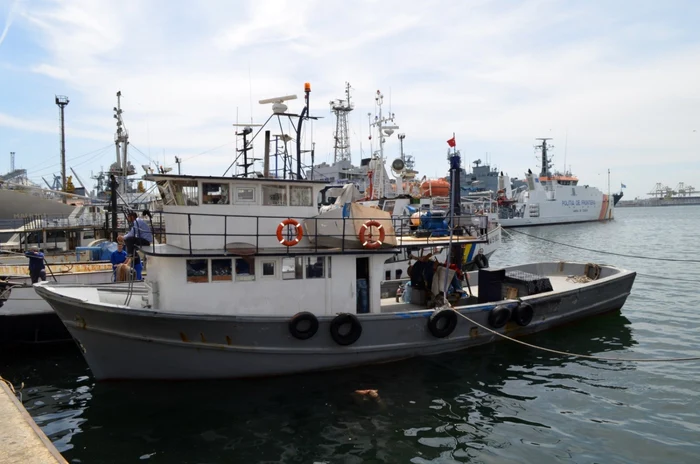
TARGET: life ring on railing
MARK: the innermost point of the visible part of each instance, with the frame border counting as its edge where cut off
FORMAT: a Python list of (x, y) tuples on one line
[(439, 328), (295, 240), (347, 338), (303, 325), (372, 243)]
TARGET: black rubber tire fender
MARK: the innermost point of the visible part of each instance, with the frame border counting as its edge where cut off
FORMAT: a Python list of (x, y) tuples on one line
[(301, 318), (499, 316), (434, 322), (355, 329), (523, 314), (481, 261)]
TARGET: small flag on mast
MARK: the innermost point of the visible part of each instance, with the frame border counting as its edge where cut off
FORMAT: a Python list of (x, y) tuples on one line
[(622, 185), (452, 142)]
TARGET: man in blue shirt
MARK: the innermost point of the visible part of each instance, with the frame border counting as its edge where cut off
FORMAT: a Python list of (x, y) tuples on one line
[(36, 265), (140, 234), (117, 258)]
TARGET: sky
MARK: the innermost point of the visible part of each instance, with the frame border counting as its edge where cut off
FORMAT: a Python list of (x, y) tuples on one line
[(615, 84)]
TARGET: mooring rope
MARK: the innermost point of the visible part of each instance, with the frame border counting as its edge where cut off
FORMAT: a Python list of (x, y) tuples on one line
[(578, 355), (653, 258)]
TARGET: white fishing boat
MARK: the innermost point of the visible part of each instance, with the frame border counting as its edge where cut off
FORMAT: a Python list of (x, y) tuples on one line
[(228, 297), (551, 198)]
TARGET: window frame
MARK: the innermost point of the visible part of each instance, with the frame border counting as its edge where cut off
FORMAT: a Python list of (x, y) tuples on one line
[(220, 184), (211, 267), (208, 267), (238, 201), (262, 269), (278, 186)]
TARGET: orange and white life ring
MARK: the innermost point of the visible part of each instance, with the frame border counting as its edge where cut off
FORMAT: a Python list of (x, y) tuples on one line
[(369, 242), (295, 240)]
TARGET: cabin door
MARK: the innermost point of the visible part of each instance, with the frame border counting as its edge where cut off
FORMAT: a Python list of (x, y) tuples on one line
[(362, 283)]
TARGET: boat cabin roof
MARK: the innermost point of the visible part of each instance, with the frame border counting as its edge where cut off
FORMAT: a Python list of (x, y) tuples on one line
[(175, 177)]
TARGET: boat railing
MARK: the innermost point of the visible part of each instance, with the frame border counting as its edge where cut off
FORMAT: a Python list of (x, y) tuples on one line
[(348, 233)]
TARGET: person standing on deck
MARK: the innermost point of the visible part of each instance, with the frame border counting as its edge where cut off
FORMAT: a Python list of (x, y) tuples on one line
[(37, 269)]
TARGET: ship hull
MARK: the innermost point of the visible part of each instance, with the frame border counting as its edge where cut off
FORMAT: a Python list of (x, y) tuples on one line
[(559, 205), (15, 205), (124, 342)]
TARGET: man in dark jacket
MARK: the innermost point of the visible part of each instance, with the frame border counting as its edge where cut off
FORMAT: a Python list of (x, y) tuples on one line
[(37, 269)]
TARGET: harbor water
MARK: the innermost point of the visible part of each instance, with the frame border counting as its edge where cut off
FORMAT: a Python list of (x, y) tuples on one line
[(498, 403)]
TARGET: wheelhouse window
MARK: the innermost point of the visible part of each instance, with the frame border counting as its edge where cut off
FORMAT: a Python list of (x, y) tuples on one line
[(314, 268), (268, 269), (301, 196), (215, 194), (292, 268), (221, 270), (245, 194), (186, 192), (274, 195), (197, 270), (245, 269)]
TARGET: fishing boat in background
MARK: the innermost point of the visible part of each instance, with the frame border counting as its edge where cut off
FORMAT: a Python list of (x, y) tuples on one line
[(551, 198)]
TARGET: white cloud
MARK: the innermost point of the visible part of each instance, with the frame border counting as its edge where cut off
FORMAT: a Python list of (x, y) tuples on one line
[(622, 88)]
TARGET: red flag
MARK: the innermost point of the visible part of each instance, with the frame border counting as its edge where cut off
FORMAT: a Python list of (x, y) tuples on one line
[(452, 142)]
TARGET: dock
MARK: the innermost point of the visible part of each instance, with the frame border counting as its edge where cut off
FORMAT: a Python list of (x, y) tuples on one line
[(21, 440)]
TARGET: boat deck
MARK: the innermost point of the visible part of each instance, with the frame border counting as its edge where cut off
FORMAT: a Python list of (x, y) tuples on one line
[(560, 283)]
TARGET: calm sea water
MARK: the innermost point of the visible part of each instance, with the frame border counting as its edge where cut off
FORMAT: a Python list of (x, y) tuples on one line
[(501, 403)]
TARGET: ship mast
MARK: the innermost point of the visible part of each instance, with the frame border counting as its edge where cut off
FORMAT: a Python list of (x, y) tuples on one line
[(546, 165), (340, 108), (382, 131), (121, 142)]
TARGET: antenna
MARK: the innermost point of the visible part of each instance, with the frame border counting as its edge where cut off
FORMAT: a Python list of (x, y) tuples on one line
[(566, 142), (340, 108), (278, 106)]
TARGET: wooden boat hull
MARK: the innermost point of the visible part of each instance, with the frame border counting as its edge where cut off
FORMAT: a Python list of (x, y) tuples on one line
[(121, 342)]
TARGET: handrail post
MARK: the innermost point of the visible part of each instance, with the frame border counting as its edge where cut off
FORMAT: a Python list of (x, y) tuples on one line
[(189, 231), (225, 230), (342, 241), (316, 232)]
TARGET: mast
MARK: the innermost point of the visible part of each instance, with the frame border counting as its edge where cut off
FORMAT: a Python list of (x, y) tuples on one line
[(546, 165), (382, 131), (121, 141), (304, 115), (62, 102), (340, 108)]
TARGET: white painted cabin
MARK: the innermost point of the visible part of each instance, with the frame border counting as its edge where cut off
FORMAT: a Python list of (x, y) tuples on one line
[(222, 245)]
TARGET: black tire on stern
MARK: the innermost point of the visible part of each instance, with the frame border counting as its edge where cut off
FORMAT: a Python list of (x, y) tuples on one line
[(523, 314), (442, 330), (499, 316)]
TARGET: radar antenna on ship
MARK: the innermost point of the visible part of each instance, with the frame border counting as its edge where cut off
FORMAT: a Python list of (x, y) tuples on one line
[(279, 110)]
